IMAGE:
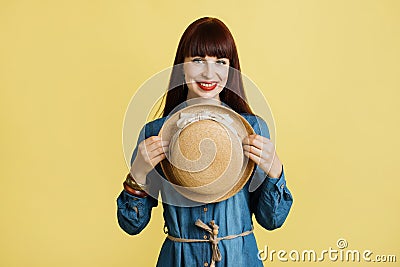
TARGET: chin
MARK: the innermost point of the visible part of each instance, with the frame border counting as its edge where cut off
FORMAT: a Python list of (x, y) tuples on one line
[(207, 95)]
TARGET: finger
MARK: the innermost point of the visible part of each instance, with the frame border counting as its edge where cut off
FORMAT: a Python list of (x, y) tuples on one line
[(157, 159), (159, 151), (256, 143), (260, 138), (152, 139), (252, 137), (246, 140), (156, 145), (264, 156), (253, 157), (253, 150)]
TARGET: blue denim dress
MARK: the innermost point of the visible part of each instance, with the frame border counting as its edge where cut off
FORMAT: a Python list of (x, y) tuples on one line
[(270, 203)]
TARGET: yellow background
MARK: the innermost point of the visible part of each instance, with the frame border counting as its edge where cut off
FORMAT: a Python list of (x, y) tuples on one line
[(68, 69)]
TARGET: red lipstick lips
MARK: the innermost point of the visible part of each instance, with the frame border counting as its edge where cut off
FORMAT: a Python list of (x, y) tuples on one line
[(207, 86)]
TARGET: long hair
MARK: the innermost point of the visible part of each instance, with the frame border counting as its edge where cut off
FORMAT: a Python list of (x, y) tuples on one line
[(207, 37)]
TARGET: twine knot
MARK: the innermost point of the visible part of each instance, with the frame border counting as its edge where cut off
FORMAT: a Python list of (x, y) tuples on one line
[(216, 253)]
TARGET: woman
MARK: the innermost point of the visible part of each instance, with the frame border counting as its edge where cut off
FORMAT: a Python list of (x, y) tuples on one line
[(207, 64)]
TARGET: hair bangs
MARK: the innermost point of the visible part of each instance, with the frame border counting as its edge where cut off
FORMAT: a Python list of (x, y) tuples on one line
[(210, 39)]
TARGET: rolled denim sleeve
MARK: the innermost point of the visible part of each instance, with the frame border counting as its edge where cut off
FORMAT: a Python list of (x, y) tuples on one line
[(272, 200), (134, 213)]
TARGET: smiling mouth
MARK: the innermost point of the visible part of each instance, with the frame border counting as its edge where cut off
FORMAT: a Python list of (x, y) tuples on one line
[(207, 86)]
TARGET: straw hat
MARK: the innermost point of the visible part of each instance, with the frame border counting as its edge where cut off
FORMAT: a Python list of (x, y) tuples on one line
[(205, 162)]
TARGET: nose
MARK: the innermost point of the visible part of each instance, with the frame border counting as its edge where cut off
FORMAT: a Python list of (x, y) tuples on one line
[(209, 70)]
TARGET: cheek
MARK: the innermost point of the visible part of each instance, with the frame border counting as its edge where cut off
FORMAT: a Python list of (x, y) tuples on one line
[(223, 74), (190, 86), (224, 79), (191, 72)]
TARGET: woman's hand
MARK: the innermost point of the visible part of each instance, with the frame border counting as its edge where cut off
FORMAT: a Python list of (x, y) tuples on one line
[(262, 151), (150, 152)]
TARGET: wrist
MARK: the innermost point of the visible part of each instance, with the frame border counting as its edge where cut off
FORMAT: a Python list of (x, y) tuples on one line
[(138, 177), (276, 169)]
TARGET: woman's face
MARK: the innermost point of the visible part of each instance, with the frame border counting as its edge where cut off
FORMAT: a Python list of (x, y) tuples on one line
[(205, 76)]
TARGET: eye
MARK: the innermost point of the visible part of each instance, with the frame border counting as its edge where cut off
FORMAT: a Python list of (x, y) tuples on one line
[(198, 60), (222, 61)]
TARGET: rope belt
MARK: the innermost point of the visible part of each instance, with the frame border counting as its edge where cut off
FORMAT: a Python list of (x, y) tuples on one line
[(213, 239)]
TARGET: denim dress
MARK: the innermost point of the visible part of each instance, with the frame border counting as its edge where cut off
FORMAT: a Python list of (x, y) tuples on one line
[(267, 198)]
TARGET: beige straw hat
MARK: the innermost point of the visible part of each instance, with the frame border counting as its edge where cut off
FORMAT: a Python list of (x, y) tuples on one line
[(205, 162)]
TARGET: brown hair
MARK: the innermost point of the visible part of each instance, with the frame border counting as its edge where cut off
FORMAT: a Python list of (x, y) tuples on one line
[(207, 36)]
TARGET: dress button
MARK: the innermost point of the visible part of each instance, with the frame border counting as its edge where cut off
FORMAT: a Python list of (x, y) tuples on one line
[(205, 237), (282, 186), (206, 264), (205, 209)]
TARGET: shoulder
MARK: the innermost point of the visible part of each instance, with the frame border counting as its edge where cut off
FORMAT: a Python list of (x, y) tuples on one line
[(152, 128), (259, 125)]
